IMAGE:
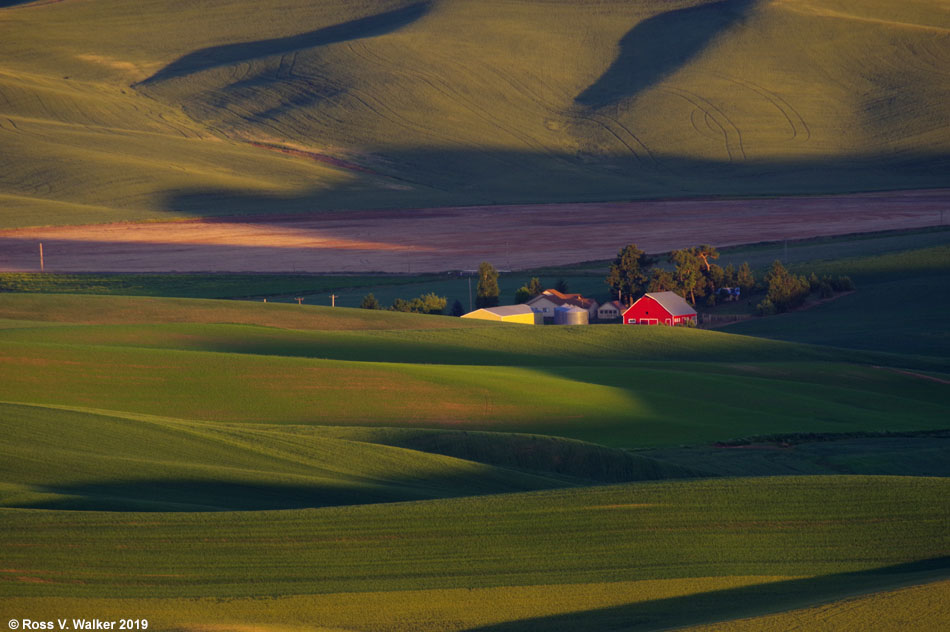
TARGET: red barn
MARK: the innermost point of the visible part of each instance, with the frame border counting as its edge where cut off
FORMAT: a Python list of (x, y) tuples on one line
[(659, 308)]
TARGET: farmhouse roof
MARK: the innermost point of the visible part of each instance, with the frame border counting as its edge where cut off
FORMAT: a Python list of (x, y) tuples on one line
[(561, 295), (559, 298), (672, 302)]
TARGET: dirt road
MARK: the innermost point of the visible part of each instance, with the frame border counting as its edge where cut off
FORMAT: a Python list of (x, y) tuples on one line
[(438, 239)]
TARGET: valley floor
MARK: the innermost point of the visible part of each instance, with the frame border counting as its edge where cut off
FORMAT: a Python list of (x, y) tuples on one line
[(458, 238)]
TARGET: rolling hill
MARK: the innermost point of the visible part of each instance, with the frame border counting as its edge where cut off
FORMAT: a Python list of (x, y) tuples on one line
[(221, 463), (113, 112), (191, 465), (612, 385)]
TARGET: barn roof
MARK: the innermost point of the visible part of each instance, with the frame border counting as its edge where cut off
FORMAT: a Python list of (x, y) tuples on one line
[(672, 302)]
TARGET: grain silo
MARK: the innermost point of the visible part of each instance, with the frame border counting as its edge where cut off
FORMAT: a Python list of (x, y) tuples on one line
[(570, 315)]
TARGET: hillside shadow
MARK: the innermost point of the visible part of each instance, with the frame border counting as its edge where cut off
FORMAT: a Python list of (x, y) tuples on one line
[(658, 47), (215, 56), (174, 495), (503, 177), (724, 605), (341, 219), (540, 454)]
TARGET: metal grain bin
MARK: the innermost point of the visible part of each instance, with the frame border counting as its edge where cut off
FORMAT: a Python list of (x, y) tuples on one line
[(570, 315)]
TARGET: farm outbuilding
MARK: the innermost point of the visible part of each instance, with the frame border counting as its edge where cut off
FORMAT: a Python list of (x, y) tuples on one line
[(508, 314), (659, 308), (610, 311), (571, 315), (549, 300)]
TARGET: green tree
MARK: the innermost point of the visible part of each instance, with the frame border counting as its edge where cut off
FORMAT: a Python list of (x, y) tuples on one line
[(729, 276), (534, 287), (457, 309), (561, 286), (687, 273), (430, 303), (400, 305), (842, 284), (765, 307), (745, 279), (627, 275), (705, 253), (487, 292), (661, 281), (786, 291), (369, 302), (529, 290), (713, 275), (425, 304)]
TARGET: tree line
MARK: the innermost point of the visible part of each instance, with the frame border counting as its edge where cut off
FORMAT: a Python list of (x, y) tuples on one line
[(426, 304), (696, 277)]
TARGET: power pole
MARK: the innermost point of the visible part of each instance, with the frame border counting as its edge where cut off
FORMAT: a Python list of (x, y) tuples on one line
[(42, 264), (333, 300), (470, 293), (299, 300)]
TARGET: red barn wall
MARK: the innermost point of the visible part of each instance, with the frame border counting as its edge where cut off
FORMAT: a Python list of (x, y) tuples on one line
[(647, 308)]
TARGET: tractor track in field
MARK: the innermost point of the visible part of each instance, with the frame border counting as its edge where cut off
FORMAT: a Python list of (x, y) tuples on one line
[(457, 238), (724, 127), (799, 128)]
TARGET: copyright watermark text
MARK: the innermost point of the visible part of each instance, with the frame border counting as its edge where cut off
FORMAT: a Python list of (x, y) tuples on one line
[(78, 624)]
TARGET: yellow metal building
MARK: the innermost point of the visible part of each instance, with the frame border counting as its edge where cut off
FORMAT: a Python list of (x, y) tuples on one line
[(508, 314)]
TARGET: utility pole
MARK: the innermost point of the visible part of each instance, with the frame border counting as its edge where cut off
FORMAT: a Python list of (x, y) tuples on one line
[(299, 300), (333, 300), (42, 264), (470, 293)]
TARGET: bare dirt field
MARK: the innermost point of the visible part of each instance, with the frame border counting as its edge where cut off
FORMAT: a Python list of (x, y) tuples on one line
[(439, 239)]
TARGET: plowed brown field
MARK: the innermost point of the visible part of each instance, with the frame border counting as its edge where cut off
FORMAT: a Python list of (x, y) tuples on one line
[(438, 239)]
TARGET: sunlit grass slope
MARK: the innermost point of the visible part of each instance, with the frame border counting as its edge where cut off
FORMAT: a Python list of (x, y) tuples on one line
[(795, 540), (635, 605), (61, 459), (119, 310), (617, 386), (116, 111), (923, 608)]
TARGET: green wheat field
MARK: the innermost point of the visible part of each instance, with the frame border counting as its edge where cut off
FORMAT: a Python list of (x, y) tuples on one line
[(214, 464), (177, 453)]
